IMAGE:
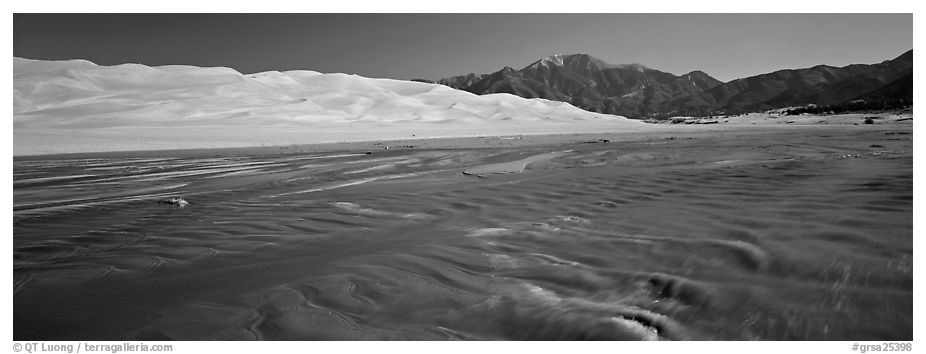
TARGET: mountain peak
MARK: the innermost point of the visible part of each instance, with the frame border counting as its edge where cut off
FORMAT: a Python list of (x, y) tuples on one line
[(571, 60), (701, 79), (556, 59), (582, 60)]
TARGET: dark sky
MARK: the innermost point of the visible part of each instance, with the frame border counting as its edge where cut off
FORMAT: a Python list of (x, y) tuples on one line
[(432, 46)]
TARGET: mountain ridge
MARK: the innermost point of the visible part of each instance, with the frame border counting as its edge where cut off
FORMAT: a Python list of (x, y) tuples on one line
[(637, 91)]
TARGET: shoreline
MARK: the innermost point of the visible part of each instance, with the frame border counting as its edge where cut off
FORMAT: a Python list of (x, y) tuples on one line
[(654, 132)]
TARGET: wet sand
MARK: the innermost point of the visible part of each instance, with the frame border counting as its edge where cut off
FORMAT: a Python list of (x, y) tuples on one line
[(704, 233)]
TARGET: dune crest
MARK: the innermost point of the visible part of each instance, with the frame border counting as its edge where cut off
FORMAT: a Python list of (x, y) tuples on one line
[(78, 106)]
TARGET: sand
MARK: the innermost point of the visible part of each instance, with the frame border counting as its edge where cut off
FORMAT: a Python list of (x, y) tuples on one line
[(711, 232), (77, 106), (510, 166)]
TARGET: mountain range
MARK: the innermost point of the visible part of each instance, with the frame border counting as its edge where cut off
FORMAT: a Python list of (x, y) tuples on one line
[(636, 91)]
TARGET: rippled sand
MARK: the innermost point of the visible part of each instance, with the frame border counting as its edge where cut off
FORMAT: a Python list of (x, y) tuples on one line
[(774, 234)]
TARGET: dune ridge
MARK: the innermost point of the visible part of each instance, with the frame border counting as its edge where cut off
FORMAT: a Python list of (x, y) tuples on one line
[(78, 106)]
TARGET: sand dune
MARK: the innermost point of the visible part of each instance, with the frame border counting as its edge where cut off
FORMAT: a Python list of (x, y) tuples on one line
[(78, 106)]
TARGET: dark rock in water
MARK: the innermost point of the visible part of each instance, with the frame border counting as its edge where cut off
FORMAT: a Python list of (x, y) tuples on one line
[(178, 201), (467, 173), (598, 141)]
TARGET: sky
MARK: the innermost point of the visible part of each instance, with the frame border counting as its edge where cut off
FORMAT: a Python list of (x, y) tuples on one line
[(434, 46)]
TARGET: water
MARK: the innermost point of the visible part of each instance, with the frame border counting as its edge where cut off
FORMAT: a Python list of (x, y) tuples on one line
[(787, 235)]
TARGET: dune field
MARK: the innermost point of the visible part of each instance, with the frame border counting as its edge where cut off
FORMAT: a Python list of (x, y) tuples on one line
[(77, 106)]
